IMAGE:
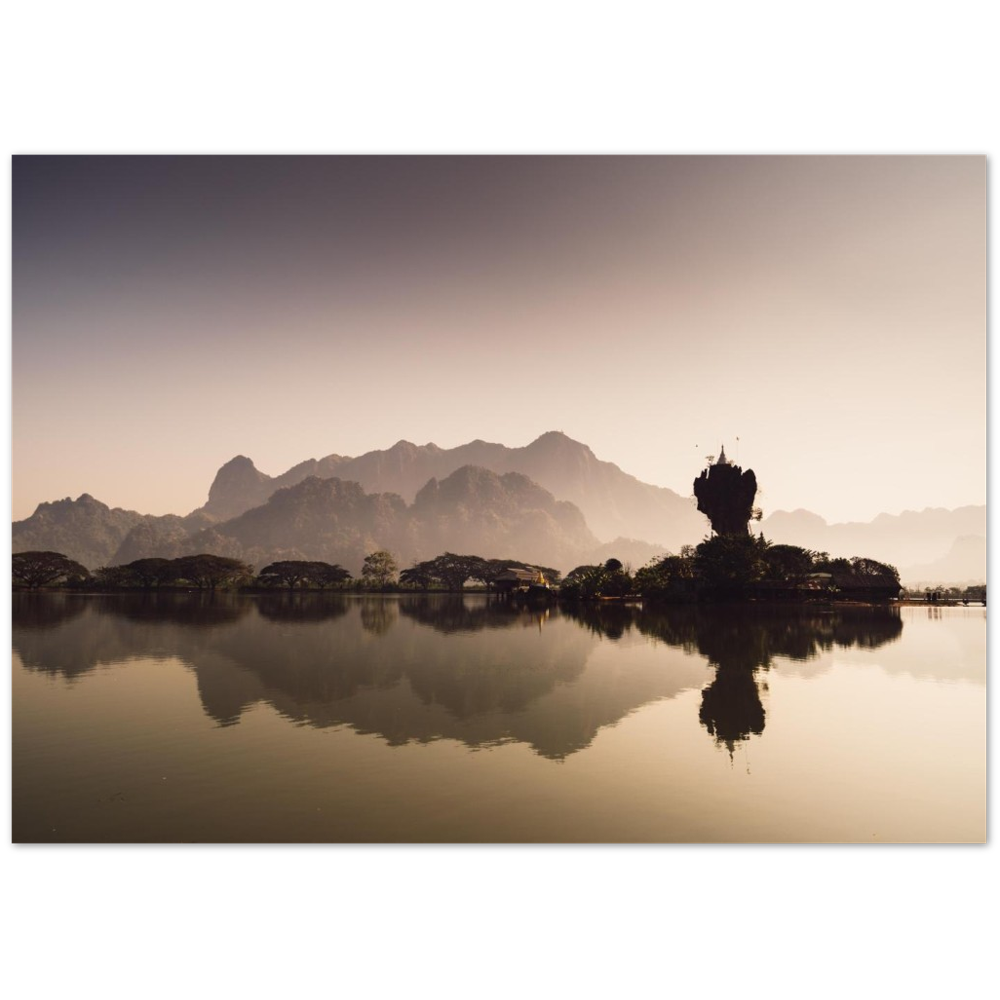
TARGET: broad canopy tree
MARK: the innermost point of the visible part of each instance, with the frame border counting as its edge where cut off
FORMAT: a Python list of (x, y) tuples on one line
[(300, 572), (451, 572), (609, 579), (447, 572), (418, 575), (39, 569), (208, 572), (151, 572)]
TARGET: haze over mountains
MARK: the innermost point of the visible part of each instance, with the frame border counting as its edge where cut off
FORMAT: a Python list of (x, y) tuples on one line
[(552, 502), (933, 545), (613, 502)]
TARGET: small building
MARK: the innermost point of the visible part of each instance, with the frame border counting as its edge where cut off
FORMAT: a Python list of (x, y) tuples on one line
[(513, 579)]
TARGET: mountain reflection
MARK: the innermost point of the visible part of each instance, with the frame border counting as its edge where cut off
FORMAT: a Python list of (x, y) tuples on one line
[(419, 669)]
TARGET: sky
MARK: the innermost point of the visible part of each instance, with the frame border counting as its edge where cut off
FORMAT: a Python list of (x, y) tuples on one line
[(823, 317)]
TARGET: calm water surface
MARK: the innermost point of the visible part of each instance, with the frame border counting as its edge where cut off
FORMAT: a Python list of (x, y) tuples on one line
[(283, 718)]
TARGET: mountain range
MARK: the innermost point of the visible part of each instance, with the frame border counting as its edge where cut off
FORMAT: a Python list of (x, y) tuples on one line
[(473, 510), (923, 545), (552, 502), (613, 502)]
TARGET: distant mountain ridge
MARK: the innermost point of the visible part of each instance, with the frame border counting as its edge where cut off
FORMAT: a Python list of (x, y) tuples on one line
[(91, 532), (912, 537), (965, 562), (471, 511), (613, 502)]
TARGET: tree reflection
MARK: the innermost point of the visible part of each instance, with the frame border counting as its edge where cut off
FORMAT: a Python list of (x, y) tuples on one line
[(286, 606), (449, 613), (611, 620), (378, 615), (199, 609), (32, 610)]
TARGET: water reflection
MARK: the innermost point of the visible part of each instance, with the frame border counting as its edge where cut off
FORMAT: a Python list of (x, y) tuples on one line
[(42, 611), (741, 641), (378, 615), (301, 607), (451, 613), (418, 669), (194, 610)]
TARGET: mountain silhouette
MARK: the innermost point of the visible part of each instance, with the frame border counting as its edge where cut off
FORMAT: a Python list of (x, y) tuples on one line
[(964, 562), (613, 502), (902, 540), (473, 510), (91, 532)]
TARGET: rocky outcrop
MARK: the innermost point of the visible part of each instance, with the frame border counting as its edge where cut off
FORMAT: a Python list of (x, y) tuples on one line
[(725, 495)]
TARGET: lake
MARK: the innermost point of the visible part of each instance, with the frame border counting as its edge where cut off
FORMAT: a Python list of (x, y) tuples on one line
[(330, 718)]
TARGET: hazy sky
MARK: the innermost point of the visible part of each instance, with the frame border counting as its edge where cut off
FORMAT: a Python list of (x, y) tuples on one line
[(170, 313)]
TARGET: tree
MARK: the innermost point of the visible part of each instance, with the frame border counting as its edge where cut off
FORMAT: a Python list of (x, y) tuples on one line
[(579, 572), (289, 572), (615, 583), (871, 569), (151, 572), (379, 569), (286, 573), (492, 568), (418, 575), (39, 569), (589, 582), (788, 563), (208, 572), (114, 577), (453, 570), (329, 574), (727, 565), (668, 579)]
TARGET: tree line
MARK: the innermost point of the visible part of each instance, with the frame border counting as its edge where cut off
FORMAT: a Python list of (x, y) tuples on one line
[(32, 570), (722, 567), (380, 571)]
